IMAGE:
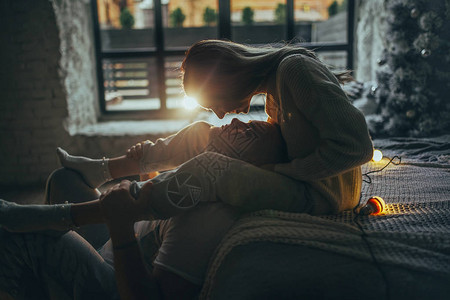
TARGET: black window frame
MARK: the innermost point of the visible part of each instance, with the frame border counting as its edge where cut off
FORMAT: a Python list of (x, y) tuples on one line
[(160, 53)]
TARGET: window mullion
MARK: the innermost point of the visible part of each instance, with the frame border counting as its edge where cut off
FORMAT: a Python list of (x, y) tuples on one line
[(350, 32), (160, 61), (98, 56), (224, 19), (290, 25)]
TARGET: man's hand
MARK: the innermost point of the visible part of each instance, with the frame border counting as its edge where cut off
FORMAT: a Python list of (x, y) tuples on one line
[(119, 207), (137, 151)]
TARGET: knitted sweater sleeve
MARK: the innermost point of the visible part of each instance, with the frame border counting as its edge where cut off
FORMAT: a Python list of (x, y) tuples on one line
[(307, 86)]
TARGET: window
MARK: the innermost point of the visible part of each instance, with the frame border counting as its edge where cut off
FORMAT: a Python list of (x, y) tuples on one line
[(255, 22), (140, 43)]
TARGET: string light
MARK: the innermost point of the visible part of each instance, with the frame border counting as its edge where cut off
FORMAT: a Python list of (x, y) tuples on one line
[(366, 175), (374, 206), (377, 155)]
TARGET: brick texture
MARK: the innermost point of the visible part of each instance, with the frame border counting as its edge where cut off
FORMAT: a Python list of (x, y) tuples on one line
[(48, 89), (30, 127)]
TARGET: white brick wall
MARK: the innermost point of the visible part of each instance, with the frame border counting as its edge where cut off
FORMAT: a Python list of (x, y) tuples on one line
[(77, 63), (48, 90), (370, 38)]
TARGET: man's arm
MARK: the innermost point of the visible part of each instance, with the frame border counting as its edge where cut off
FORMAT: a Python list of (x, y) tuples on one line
[(120, 210), (134, 281)]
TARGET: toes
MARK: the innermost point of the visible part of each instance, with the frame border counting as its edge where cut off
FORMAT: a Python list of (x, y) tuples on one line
[(61, 152), (62, 155), (4, 203)]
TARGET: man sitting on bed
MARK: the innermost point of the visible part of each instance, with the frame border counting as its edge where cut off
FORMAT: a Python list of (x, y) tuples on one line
[(176, 249)]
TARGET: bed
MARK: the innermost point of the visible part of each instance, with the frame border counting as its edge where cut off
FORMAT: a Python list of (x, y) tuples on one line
[(403, 253)]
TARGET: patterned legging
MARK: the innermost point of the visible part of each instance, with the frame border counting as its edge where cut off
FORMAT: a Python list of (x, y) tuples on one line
[(66, 265), (58, 265), (50, 265)]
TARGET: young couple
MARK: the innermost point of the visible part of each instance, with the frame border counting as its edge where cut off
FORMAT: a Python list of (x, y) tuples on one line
[(211, 175)]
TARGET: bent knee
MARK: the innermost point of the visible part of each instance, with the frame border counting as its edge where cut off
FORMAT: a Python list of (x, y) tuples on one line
[(64, 175), (67, 185)]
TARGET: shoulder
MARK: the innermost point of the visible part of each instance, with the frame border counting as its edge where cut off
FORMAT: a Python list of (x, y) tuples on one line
[(298, 62), (305, 69), (294, 73), (289, 63)]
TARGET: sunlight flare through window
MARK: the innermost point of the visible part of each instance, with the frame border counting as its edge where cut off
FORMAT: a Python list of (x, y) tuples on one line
[(190, 103)]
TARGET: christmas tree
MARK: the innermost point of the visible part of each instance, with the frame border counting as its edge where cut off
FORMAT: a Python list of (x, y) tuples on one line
[(414, 80)]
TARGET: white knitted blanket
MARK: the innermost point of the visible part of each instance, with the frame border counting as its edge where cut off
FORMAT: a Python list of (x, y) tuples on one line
[(413, 233)]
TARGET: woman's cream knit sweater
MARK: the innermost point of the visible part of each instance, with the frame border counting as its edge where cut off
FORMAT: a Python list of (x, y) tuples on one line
[(326, 136)]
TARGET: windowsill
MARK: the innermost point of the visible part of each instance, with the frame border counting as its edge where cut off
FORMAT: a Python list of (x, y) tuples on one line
[(162, 127), (121, 128)]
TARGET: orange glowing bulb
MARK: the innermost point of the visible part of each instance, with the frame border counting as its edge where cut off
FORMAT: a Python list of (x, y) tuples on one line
[(374, 206), (377, 155)]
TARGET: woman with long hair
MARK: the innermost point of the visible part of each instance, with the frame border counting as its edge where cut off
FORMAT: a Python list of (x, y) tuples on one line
[(326, 137)]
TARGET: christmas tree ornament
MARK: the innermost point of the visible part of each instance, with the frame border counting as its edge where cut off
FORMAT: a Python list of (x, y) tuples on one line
[(381, 61), (411, 113), (425, 52), (414, 13), (427, 41), (373, 90)]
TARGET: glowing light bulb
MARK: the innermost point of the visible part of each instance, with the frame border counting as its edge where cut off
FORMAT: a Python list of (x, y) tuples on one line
[(377, 155), (190, 103), (374, 206)]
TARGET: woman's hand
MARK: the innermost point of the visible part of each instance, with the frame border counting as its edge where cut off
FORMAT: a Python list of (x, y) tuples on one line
[(119, 208), (136, 152)]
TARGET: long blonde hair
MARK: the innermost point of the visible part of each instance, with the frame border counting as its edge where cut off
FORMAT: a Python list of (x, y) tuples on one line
[(234, 71)]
